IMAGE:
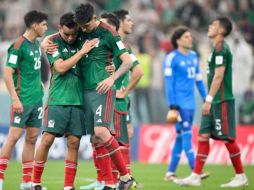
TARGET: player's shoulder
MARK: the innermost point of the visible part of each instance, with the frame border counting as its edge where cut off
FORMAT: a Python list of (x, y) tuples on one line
[(193, 53), (170, 57), (55, 37), (107, 29), (222, 46), (19, 42)]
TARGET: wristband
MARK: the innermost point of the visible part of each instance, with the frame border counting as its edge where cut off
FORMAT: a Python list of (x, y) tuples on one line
[(209, 99)]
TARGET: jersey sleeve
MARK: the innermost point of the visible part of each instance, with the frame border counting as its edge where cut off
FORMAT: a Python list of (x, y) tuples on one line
[(13, 58), (220, 58), (115, 44), (133, 58), (169, 68), (55, 55)]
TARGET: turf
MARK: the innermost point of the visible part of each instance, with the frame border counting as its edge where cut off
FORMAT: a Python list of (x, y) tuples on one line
[(151, 175)]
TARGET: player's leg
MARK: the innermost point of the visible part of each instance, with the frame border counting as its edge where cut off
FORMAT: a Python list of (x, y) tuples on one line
[(17, 122), (175, 157), (202, 153), (74, 131), (187, 117), (228, 133), (103, 108), (71, 161), (32, 131), (56, 119)]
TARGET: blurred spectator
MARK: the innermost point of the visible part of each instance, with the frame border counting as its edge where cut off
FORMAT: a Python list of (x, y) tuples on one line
[(246, 109)]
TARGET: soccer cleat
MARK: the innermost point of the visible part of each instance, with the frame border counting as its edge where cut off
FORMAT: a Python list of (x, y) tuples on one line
[(26, 186), (240, 180), (108, 188), (170, 177), (125, 185), (204, 175), (95, 185), (192, 180), (69, 188), (137, 184)]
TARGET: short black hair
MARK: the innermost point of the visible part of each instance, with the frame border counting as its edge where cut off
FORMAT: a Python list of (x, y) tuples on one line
[(177, 33), (84, 13), (112, 19), (121, 14), (67, 19), (34, 16), (226, 23)]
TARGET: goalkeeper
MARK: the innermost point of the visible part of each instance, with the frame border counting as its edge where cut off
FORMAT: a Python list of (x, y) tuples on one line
[(181, 73)]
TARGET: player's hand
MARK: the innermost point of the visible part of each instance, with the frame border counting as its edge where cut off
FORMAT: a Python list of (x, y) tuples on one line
[(120, 93), (48, 46), (88, 45), (17, 106), (206, 108), (172, 116), (104, 86), (110, 68)]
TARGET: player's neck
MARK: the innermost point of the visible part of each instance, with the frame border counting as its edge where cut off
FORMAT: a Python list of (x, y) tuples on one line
[(183, 50), (30, 35), (121, 33), (217, 39)]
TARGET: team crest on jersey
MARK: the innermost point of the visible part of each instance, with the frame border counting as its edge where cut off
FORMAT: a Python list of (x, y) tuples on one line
[(51, 123), (31, 53), (17, 119)]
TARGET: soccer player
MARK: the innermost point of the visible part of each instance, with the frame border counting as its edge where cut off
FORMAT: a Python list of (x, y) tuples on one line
[(123, 85), (181, 73), (22, 77), (98, 85), (64, 113), (218, 111)]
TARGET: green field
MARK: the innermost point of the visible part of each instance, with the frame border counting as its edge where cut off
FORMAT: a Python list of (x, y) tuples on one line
[(151, 175)]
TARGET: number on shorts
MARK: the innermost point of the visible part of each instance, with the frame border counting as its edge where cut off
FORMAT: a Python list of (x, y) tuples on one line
[(98, 111), (40, 110), (218, 124)]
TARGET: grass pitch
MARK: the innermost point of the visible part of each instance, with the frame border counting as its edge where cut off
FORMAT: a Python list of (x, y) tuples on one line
[(151, 175)]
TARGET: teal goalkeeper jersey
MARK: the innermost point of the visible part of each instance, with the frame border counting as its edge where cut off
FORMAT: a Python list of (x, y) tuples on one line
[(123, 81), (65, 89), (109, 46), (25, 58)]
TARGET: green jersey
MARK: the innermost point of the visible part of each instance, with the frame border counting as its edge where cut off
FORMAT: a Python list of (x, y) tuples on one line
[(122, 82), (25, 58), (67, 88), (108, 46), (221, 56)]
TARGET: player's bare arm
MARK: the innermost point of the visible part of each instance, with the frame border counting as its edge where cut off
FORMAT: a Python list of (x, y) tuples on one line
[(16, 103), (62, 66), (136, 75), (106, 84), (216, 83)]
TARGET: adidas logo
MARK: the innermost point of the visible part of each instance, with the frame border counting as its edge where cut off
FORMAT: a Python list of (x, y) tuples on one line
[(65, 50), (31, 53), (99, 121)]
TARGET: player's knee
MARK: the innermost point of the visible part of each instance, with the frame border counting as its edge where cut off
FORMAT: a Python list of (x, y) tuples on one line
[(73, 144), (101, 133), (47, 140), (31, 139)]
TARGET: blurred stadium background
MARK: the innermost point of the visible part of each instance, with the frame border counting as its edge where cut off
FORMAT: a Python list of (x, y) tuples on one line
[(153, 22)]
